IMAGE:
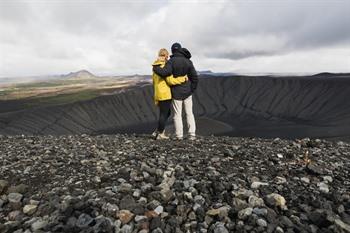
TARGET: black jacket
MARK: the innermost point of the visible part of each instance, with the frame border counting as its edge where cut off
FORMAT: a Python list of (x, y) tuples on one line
[(180, 64)]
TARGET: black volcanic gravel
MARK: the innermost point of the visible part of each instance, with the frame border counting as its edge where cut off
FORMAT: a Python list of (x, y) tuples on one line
[(132, 183)]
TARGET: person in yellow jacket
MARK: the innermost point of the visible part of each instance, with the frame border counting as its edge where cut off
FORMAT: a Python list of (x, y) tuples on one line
[(162, 93)]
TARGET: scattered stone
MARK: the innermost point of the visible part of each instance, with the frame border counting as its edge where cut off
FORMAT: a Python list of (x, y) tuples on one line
[(29, 209), (261, 222), (96, 184), (3, 186), (316, 169), (280, 180), (159, 210), (221, 212), (239, 204), (127, 203), (328, 179), (21, 188), (84, 221), (275, 199), (15, 197), (260, 211), (323, 187), (245, 213), (155, 223), (126, 229), (39, 225), (257, 184), (242, 193), (255, 201), (219, 227), (343, 226), (140, 218), (305, 180), (14, 215), (124, 188), (125, 216), (279, 230)]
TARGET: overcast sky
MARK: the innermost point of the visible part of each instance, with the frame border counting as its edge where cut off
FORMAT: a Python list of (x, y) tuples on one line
[(41, 37)]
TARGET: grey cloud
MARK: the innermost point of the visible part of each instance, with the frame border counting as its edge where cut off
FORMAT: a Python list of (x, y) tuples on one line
[(240, 54), (299, 24), (124, 36)]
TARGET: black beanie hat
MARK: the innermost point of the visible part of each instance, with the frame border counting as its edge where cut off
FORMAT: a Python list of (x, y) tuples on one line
[(175, 47)]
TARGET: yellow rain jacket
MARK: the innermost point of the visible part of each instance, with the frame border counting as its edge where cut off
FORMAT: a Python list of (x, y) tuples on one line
[(162, 85)]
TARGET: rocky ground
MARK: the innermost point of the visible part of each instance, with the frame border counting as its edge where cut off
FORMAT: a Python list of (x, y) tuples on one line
[(135, 184)]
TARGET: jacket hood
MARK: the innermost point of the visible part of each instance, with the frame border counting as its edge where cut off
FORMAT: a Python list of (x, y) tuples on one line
[(185, 52), (182, 52), (158, 62)]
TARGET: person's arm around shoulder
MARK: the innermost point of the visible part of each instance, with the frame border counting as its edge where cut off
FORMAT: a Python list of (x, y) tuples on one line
[(171, 81), (164, 71)]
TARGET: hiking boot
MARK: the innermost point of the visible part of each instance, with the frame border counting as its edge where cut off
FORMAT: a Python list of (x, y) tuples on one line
[(161, 136), (192, 138)]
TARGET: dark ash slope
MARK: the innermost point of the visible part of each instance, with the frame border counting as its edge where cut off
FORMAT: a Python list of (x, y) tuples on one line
[(286, 107)]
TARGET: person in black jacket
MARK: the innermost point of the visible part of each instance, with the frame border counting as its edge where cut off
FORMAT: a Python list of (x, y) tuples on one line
[(178, 65)]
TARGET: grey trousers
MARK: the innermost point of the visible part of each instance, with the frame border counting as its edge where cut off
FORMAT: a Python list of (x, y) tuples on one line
[(191, 124)]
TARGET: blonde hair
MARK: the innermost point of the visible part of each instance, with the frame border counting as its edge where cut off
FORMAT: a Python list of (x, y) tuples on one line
[(163, 53)]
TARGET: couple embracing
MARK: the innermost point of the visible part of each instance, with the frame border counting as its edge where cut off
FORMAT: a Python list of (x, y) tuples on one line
[(174, 81)]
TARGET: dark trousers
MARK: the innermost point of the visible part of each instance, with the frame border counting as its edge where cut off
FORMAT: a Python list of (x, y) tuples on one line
[(164, 114)]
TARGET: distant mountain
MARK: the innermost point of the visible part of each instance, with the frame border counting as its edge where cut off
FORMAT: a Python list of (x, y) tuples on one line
[(81, 74), (327, 74), (209, 72)]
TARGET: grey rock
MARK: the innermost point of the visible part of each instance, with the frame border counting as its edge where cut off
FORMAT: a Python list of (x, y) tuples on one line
[(199, 199), (103, 224), (3, 186), (261, 222), (155, 223), (140, 218), (14, 215), (260, 211), (257, 184), (279, 230), (137, 193), (343, 226), (255, 201), (305, 180), (159, 209), (314, 168), (328, 179), (39, 225), (275, 199), (126, 229), (245, 213), (219, 228), (127, 203), (84, 221), (323, 187), (242, 193), (285, 221), (124, 188), (111, 209), (280, 180), (157, 230), (21, 188), (239, 204), (29, 209), (15, 197)]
